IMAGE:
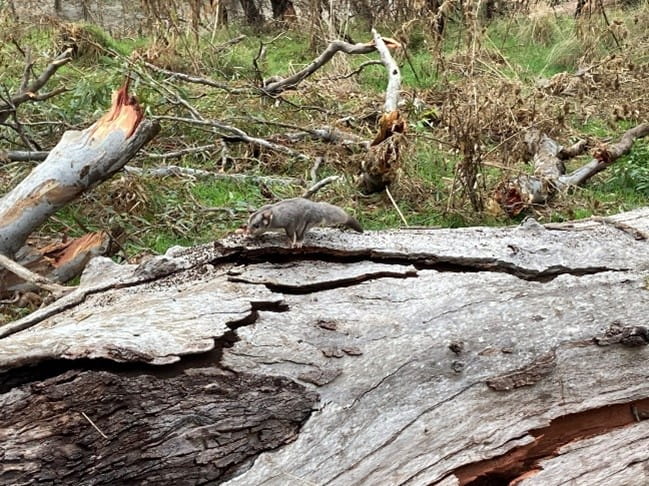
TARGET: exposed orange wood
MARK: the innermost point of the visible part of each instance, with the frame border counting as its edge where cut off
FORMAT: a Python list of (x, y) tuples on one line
[(520, 461), (61, 253), (125, 113)]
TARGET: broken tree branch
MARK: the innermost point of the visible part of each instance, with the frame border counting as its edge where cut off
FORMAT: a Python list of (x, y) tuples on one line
[(237, 135), (195, 79), (381, 166), (394, 75), (273, 87), (23, 156), (605, 156), (182, 152), (81, 160), (33, 278), (319, 185), (174, 170)]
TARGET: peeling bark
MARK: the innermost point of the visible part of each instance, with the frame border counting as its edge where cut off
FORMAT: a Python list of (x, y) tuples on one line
[(407, 357)]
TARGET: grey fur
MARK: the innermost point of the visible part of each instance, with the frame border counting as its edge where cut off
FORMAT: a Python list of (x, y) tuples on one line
[(296, 216)]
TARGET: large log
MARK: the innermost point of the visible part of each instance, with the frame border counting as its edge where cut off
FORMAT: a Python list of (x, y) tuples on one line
[(465, 356)]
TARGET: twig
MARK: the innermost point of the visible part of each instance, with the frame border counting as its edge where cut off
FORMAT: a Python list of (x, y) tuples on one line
[(255, 62), (387, 190), (358, 70), (28, 276), (319, 185), (608, 24), (93, 424), (30, 89)]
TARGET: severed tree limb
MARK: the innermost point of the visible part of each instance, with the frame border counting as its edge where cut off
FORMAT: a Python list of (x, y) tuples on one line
[(394, 75), (81, 160), (28, 91), (273, 87), (514, 196)]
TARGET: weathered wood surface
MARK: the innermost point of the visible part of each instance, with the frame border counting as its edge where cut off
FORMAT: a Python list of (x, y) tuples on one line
[(439, 357)]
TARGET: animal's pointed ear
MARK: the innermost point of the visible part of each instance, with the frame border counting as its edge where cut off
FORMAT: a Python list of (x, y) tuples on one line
[(267, 215)]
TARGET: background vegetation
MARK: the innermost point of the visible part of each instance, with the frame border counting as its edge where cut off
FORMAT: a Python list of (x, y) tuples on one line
[(469, 92)]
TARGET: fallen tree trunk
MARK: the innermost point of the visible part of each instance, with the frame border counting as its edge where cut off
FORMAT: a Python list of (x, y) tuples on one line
[(550, 176), (407, 357), (81, 160)]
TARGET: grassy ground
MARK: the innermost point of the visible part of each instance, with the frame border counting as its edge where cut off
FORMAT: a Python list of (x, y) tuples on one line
[(157, 213)]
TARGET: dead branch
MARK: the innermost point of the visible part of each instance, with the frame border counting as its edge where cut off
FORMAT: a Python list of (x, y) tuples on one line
[(394, 75), (605, 156), (23, 156), (174, 170), (514, 196), (358, 70), (237, 135), (319, 185), (314, 169), (182, 152), (273, 87), (195, 79), (29, 91), (81, 160), (382, 164)]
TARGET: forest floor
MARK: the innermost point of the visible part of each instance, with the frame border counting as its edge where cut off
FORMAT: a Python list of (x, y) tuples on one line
[(468, 100)]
